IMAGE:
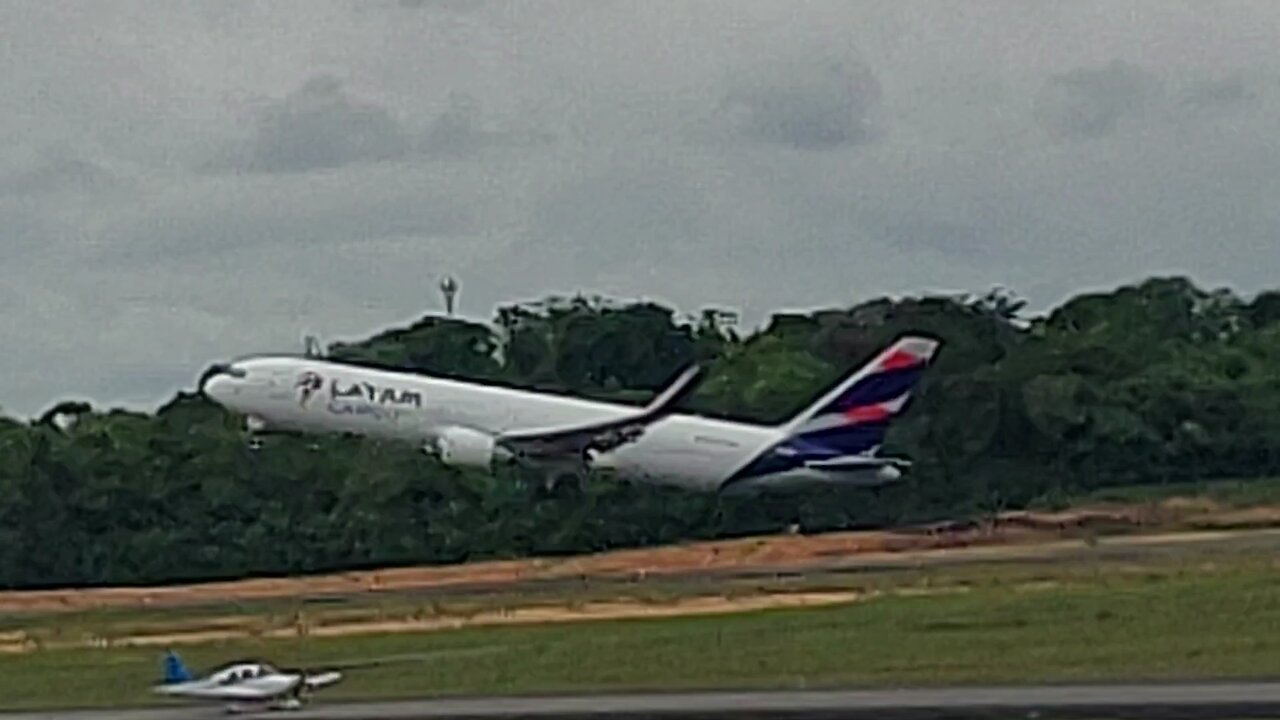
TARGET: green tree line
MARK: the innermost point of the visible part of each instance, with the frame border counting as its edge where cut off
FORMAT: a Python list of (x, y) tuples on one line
[(1155, 382)]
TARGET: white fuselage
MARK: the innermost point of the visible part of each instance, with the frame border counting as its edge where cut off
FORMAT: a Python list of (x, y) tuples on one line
[(246, 683), (682, 449)]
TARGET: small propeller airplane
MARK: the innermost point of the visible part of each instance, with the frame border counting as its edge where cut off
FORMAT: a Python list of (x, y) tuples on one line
[(247, 685)]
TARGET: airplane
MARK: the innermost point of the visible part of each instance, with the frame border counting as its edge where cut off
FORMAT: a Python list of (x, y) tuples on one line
[(467, 424), (254, 684), (244, 685)]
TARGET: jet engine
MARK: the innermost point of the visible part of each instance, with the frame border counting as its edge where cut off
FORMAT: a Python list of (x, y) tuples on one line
[(463, 447), (888, 473)]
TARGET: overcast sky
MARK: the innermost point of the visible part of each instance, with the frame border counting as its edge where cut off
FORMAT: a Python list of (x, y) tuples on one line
[(186, 181)]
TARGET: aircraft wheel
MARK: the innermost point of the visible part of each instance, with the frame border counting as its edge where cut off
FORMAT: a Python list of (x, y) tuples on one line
[(565, 484)]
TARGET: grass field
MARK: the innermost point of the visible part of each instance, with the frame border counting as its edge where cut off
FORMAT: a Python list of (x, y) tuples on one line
[(1238, 493), (1193, 614)]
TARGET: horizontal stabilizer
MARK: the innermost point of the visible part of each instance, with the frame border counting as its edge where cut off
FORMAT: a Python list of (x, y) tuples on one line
[(857, 462)]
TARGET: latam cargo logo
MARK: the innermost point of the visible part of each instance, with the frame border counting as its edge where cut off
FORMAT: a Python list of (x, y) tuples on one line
[(308, 384), (342, 396)]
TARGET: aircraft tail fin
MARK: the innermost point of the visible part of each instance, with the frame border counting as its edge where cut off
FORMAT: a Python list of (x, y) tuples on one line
[(174, 671), (854, 416)]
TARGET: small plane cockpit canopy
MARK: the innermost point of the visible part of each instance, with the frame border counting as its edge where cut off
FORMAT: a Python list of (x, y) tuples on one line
[(240, 672)]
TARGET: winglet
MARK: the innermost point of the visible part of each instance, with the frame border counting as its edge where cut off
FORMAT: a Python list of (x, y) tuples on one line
[(601, 435), (679, 389)]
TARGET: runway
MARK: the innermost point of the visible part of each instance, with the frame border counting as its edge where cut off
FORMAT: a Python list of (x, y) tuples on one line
[(1099, 702)]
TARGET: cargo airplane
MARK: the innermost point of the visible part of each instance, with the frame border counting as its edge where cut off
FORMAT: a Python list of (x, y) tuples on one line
[(836, 439)]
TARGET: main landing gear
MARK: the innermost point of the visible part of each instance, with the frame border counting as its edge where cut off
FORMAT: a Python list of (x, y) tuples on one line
[(553, 482), (564, 484), (254, 428)]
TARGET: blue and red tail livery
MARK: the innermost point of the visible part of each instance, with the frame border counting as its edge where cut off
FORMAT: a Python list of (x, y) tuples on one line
[(853, 418)]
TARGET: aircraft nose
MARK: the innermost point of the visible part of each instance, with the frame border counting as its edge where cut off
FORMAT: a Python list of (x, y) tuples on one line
[(218, 389), (218, 383)]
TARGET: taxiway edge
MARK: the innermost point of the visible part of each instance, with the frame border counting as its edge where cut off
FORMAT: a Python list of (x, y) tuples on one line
[(1171, 700)]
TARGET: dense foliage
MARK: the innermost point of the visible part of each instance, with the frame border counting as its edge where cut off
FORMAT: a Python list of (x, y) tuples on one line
[(1152, 383)]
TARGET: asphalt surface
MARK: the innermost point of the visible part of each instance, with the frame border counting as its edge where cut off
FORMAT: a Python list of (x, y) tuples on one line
[(1099, 702)]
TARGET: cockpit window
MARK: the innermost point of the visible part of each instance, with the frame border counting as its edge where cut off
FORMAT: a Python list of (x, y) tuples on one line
[(221, 369)]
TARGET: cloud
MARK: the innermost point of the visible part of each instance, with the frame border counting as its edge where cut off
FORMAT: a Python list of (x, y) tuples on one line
[(460, 132), (56, 172), (956, 240), (811, 104), (1218, 92), (321, 126), (756, 154), (624, 219), (455, 6), (1088, 103)]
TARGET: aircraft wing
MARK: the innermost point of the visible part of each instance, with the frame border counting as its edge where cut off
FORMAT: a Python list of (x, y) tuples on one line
[(575, 439)]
